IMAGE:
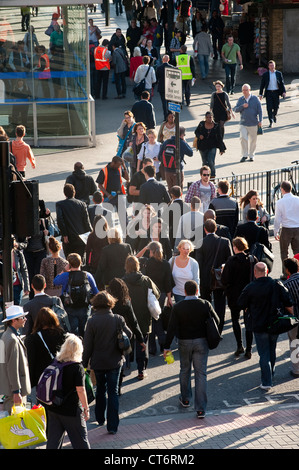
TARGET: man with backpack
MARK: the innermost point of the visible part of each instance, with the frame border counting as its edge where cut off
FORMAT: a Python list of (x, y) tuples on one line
[(167, 157), (77, 289)]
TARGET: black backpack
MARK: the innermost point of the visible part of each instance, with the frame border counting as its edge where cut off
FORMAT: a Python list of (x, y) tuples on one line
[(79, 291), (168, 157)]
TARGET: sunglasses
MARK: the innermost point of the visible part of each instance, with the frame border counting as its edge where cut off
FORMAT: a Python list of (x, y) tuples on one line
[(206, 174)]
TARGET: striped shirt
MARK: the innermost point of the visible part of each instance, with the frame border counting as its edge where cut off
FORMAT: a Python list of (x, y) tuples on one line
[(292, 284)]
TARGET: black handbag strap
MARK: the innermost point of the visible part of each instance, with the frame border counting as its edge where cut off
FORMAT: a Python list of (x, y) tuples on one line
[(225, 107)]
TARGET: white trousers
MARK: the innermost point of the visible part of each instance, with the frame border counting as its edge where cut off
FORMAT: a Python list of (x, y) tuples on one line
[(248, 137)]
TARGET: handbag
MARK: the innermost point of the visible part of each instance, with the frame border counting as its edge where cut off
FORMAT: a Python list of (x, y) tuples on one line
[(213, 335), (153, 305), (260, 130), (216, 273), (139, 87), (128, 155), (53, 228), (194, 145), (23, 429), (281, 321), (228, 111), (49, 30), (89, 388), (122, 340)]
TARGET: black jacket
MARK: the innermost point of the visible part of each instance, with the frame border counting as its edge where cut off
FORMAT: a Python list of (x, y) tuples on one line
[(72, 218), (236, 274), (160, 75), (112, 263), (84, 185), (253, 233), (258, 298), (227, 212), (153, 192), (144, 112), (205, 256), (266, 79)]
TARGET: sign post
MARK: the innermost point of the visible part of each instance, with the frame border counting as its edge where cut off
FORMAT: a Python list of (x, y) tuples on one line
[(173, 94)]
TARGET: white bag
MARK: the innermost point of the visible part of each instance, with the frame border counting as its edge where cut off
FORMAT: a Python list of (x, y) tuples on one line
[(153, 305)]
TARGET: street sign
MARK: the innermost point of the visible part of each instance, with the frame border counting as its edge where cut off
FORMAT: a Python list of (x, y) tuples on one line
[(174, 107), (173, 84)]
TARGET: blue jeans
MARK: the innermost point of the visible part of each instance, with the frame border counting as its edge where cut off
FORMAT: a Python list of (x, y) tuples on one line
[(208, 158), (194, 351), (178, 297), (78, 318), (230, 73), (266, 348), (203, 64), (107, 383)]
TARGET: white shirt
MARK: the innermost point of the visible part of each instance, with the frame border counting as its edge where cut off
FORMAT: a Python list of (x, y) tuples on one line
[(180, 277), (286, 212), (272, 81)]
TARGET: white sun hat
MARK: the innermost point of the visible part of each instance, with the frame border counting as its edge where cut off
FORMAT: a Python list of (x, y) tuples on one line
[(13, 312)]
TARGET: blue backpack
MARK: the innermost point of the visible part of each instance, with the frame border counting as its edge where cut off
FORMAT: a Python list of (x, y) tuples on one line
[(49, 388)]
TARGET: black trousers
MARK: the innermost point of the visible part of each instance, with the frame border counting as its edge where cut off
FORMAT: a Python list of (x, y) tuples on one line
[(102, 83), (272, 103), (219, 301)]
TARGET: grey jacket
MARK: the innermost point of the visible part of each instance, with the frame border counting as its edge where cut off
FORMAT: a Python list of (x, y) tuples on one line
[(100, 344), (14, 369), (119, 60)]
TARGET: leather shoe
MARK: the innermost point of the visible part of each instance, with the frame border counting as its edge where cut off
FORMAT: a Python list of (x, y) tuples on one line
[(243, 159)]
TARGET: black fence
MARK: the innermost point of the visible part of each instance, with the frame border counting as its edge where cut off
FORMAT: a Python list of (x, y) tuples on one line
[(267, 183)]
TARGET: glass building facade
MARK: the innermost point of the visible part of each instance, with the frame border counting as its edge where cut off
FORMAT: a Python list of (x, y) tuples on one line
[(44, 74)]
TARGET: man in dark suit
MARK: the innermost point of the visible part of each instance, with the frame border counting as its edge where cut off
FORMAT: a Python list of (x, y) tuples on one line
[(160, 75), (273, 84), (173, 213), (252, 232), (72, 221), (39, 301), (153, 192), (226, 208), (214, 252), (221, 230), (144, 111)]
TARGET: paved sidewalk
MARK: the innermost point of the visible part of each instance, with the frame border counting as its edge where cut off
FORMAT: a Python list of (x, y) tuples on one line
[(262, 427)]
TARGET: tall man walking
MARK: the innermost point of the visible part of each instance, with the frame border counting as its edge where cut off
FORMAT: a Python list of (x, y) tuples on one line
[(188, 323), (273, 84), (251, 113)]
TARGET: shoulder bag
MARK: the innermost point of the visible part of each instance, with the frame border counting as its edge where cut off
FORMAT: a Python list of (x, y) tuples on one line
[(282, 321), (223, 63), (213, 335), (122, 340), (216, 273), (139, 87), (228, 111)]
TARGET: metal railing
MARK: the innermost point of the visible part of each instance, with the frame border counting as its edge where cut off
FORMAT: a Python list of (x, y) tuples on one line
[(267, 183)]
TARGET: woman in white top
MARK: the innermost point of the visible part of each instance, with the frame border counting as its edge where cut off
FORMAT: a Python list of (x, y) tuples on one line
[(140, 74), (184, 268), (167, 129), (150, 149)]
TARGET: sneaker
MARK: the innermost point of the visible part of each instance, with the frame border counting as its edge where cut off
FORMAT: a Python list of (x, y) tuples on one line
[(239, 351), (200, 414), (243, 159), (251, 159), (184, 403), (142, 376), (265, 387)]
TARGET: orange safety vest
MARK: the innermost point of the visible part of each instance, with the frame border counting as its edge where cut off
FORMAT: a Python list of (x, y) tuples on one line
[(105, 170), (99, 58), (46, 72)]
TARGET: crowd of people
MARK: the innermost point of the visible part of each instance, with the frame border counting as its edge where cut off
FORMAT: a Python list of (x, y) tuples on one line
[(131, 234)]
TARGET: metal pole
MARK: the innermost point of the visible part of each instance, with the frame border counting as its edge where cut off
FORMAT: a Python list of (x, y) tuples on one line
[(107, 12), (6, 225), (177, 148)]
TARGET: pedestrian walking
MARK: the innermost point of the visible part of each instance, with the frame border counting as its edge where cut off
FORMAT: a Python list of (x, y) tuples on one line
[(251, 118), (272, 85), (230, 52), (188, 324)]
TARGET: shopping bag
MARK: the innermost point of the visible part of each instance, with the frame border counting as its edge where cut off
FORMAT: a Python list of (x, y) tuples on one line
[(89, 387), (23, 429)]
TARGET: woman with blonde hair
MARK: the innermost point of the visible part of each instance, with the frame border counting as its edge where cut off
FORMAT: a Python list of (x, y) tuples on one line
[(72, 415), (52, 266), (183, 268)]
